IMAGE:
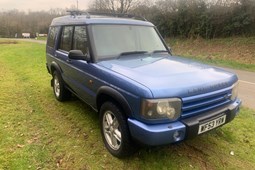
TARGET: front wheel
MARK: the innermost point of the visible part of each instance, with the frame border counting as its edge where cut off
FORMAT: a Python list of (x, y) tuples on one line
[(114, 129)]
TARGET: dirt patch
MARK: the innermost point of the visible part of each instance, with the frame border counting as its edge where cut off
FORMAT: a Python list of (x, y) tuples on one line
[(8, 42)]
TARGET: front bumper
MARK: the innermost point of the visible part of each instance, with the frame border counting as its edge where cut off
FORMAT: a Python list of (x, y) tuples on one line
[(167, 133)]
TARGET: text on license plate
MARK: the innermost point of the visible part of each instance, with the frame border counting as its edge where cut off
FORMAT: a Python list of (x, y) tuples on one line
[(211, 124)]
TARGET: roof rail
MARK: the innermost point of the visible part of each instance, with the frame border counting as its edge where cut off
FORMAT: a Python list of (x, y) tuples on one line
[(119, 15), (74, 13)]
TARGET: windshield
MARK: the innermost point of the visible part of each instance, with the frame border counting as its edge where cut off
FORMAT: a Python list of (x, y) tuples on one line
[(115, 40)]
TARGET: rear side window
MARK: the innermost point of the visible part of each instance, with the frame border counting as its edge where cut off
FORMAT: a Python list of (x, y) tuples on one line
[(53, 31), (66, 38), (80, 39)]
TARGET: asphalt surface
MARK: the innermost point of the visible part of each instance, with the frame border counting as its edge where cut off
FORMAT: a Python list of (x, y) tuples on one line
[(246, 87), (246, 82), (31, 40)]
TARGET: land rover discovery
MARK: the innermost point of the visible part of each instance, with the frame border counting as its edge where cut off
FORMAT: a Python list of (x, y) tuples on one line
[(123, 69)]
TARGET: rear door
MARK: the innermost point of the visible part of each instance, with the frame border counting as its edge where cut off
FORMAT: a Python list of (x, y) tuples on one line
[(62, 50)]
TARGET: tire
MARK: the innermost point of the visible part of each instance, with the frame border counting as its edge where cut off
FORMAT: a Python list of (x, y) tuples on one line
[(114, 130), (59, 90)]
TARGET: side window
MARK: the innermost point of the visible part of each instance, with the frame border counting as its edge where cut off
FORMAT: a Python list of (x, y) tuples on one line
[(66, 38), (80, 39), (52, 36)]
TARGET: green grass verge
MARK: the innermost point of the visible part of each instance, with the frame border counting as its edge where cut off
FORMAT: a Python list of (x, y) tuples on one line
[(38, 132), (237, 53)]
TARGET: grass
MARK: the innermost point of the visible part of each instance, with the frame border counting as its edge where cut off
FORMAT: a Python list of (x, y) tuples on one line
[(238, 53), (38, 132)]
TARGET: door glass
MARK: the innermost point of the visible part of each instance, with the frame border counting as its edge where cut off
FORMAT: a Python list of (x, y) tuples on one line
[(66, 38), (80, 39)]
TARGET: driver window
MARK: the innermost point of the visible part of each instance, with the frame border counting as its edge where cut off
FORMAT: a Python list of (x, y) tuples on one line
[(80, 39)]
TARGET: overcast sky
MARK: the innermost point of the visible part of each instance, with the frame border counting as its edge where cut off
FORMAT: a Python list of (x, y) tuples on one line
[(38, 5)]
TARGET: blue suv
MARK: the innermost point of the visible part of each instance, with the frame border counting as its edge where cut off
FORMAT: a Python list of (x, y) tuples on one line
[(123, 69)]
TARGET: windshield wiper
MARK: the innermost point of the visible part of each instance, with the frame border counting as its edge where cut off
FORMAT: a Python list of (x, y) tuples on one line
[(131, 52), (160, 51)]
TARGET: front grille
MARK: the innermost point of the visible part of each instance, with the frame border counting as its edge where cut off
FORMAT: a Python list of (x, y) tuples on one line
[(205, 102)]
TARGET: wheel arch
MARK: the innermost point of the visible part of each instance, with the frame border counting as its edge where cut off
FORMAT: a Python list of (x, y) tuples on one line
[(55, 67), (106, 93)]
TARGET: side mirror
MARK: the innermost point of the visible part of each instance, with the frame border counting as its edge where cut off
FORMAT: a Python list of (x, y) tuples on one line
[(77, 55)]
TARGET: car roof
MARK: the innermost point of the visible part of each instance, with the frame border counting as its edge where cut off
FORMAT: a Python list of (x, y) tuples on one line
[(96, 19)]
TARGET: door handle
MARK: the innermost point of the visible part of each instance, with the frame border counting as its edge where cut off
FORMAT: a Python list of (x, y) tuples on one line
[(57, 56), (69, 61)]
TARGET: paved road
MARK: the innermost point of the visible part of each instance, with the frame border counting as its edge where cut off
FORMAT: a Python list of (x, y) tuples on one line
[(246, 87), (246, 82), (31, 40)]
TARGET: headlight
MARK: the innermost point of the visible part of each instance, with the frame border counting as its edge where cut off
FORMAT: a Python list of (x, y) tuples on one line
[(234, 91), (161, 109)]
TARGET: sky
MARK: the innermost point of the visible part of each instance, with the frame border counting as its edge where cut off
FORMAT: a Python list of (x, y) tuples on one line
[(38, 5)]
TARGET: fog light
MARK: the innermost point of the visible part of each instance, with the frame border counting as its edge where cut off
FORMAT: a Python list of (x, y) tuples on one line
[(177, 135)]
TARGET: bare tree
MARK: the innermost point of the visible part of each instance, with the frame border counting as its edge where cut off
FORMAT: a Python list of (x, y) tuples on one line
[(14, 22), (182, 18), (114, 6)]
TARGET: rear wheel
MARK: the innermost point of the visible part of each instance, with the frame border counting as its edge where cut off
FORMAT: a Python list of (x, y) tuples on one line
[(115, 132), (60, 92)]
